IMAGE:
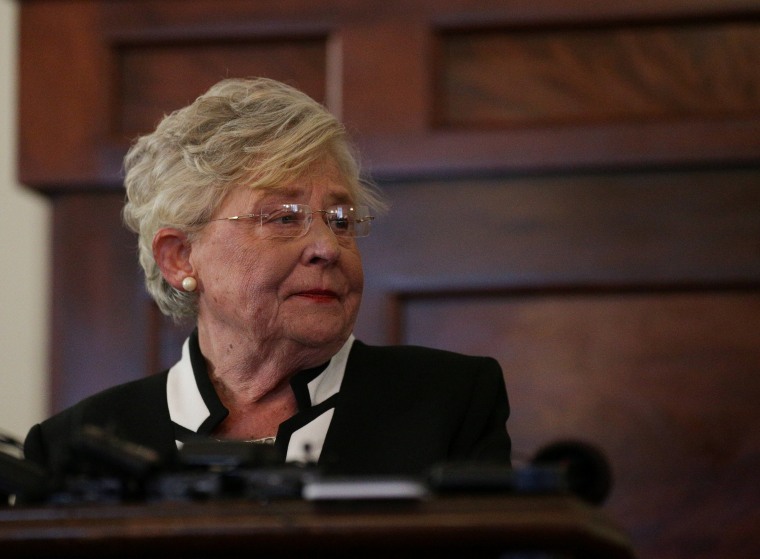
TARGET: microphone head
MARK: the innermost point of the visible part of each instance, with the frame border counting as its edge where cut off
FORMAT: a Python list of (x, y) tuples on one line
[(25, 480), (587, 471)]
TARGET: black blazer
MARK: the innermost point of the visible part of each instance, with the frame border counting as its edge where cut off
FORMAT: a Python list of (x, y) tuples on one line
[(400, 410)]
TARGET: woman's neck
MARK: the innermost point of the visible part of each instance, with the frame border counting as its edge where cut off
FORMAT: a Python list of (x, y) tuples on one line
[(247, 420), (252, 380)]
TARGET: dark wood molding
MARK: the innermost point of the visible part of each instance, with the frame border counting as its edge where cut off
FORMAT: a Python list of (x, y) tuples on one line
[(382, 74)]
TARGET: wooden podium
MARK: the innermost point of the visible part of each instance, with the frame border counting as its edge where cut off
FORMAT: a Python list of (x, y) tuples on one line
[(457, 526)]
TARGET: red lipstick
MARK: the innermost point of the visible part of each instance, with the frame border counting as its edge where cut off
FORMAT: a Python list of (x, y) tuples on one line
[(319, 294)]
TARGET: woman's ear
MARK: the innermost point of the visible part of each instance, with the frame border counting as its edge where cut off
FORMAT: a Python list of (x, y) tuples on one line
[(171, 250)]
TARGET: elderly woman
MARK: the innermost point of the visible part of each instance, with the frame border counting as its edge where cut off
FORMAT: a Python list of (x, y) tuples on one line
[(248, 204)]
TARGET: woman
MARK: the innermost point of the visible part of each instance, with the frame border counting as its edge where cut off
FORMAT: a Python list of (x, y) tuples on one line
[(248, 205)]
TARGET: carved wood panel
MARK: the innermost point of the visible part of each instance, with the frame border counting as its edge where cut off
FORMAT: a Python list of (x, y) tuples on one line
[(566, 75)]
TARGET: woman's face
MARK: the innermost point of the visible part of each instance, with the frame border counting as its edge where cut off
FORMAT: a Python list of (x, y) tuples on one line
[(266, 291)]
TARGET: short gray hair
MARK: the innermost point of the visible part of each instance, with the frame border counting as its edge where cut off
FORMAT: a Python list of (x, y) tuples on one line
[(257, 132)]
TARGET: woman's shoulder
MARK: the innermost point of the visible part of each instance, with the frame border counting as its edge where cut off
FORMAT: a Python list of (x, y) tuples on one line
[(128, 394), (128, 411), (425, 364), (141, 398), (415, 353)]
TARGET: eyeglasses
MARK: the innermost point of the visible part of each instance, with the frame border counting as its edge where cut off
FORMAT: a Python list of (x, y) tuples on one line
[(294, 220)]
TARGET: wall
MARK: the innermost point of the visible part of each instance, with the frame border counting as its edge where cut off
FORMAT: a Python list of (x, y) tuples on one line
[(24, 231)]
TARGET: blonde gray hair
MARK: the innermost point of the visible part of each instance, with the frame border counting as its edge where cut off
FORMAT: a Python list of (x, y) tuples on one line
[(256, 132)]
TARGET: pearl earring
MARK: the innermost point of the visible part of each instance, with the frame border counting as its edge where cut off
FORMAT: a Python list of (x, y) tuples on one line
[(189, 283)]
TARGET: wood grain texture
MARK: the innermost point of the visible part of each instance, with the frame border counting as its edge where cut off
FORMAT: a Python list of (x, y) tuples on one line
[(565, 75)]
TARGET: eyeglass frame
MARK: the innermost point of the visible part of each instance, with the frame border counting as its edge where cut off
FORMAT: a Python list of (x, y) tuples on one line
[(309, 219)]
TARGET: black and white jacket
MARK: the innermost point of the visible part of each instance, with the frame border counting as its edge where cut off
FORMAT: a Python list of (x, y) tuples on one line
[(372, 410)]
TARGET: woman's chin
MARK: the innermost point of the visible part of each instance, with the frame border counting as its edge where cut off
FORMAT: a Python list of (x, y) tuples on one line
[(322, 333)]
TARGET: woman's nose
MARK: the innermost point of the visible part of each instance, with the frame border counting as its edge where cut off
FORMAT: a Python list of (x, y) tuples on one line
[(322, 244)]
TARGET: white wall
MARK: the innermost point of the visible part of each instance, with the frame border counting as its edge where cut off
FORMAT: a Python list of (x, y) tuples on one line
[(24, 256)]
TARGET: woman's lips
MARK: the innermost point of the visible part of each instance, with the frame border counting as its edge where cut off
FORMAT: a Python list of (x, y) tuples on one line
[(319, 294)]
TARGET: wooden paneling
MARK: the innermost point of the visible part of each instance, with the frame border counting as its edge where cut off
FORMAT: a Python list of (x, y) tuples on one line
[(99, 307), (581, 231), (64, 91), (665, 383), (565, 75), (575, 189), (624, 309), (385, 76), (149, 73)]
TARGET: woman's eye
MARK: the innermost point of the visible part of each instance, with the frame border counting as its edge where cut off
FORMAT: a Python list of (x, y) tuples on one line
[(289, 218), (342, 223), (283, 218)]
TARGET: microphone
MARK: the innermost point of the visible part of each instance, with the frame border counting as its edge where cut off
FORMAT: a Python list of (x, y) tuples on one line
[(24, 480), (21, 480), (95, 449), (564, 466), (586, 470)]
